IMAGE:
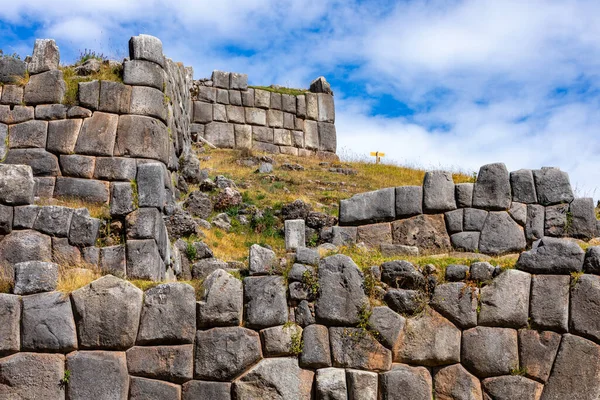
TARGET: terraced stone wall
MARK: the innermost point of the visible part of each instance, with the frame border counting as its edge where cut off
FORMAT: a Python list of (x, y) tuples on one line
[(325, 330), (229, 114), (500, 213)]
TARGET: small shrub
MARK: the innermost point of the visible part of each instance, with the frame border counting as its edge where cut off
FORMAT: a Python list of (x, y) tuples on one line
[(311, 281), (88, 54), (191, 252), (518, 371), (65, 379), (297, 343)]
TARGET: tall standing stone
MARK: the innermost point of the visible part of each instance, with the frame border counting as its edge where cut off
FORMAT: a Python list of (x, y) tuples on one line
[(492, 189), (438, 192), (46, 56), (552, 186)]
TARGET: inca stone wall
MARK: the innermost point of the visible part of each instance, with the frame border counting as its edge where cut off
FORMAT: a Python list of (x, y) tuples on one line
[(499, 213), (474, 332), (229, 114)]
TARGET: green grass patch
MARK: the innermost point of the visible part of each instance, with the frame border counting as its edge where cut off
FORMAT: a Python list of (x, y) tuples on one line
[(282, 90)]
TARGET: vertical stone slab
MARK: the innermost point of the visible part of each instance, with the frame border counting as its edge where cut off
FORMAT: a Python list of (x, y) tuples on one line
[(294, 234), (10, 323), (438, 192)]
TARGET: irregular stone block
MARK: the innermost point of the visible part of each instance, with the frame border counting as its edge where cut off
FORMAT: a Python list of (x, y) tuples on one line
[(115, 168), (464, 194), (222, 302), (409, 201), (311, 135), (583, 223), (404, 382), (327, 137), (46, 56), (278, 340), (591, 264), (150, 389), (326, 108), (115, 97), (402, 274), (143, 137), (35, 277), (362, 385), (54, 220), (481, 271), (457, 272), (275, 118), (87, 190), (50, 112), (556, 222), (262, 98), (344, 235), (15, 114), (454, 221), (113, 260), (537, 351), (265, 301), (10, 324), (27, 245), (168, 363), (282, 137), (312, 107), (6, 219), (550, 312), (255, 116), (3, 141), (315, 352), (534, 226), (387, 324), (150, 184), (276, 101), (518, 212), (405, 302), (331, 384), (262, 261), (203, 268), (243, 136), (48, 324), (304, 314), (424, 231), (77, 166), (44, 187), (207, 94), (148, 101), (45, 88), (220, 134), (275, 375), (146, 47), (89, 94), (552, 186), (32, 376), (501, 234), (505, 302), (438, 192), (512, 387), (97, 136), (41, 162), (552, 256), (492, 190), (294, 234), (584, 313), (78, 112), (490, 351), (143, 73), (523, 186), (28, 134), (97, 375), (224, 353), (65, 254), (203, 112), (12, 95), (353, 348), (107, 313), (369, 207), (16, 184), (143, 260), (455, 382), (457, 302), (206, 390), (62, 135), (11, 69), (220, 79), (465, 241)]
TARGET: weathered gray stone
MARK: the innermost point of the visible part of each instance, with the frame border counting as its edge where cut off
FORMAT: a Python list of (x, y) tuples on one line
[(146, 47), (576, 357), (534, 226), (464, 194), (114, 97), (369, 207), (395, 250), (362, 385), (98, 375), (144, 261), (537, 351), (341, 291), (6, 219), (207, 94), (265, 301), (331, 384), (10, 324), (203, 268), (294, 234), (143, 137), (220, 134), (454, 221), (12, 94), (45, 88), (457, 302), (203, 112), (46, 56), (168, 315), (64, 254), (523, 186), (224, 353), (456, 383), (54, 220), (50, 112), (552, 256), (143, 73), (428, 339), (584, 313), (354, 348), (490, 351), (243, 136), (402, 274), (97, 136), (11, 68), (89, 94), (150, 184), (48, 324), (27, 245), (404, 382), (3, 141), (501, 234), (406, 302), (168, 363), (387, 324), (307, 256), (549, 307), (583, 222), (206, 390), (278, 340), (148, 101), (518, 212), (256, 116), (35, 277), (31, 376), (28, 134), (279, 378), (505, 302), (438, 192), (424, 231), (315, 351), (304, 314), (344, 235), (512, 387), (122, 201), (327, 137), (113, 260), (16, 184), (78, 112), (44, 187), (275, 118), (222, 302), (557, 219), (492, 189), (107, 313), (238, 81), (552, 186), (77, 166), (375, 235), (87, 190), (220, 79), (150, 389), (409, 201), (62, 135), (481, 271), (15, 114), (41, 162), (591, 264), (326, 107), (262, 261), (312, 106)]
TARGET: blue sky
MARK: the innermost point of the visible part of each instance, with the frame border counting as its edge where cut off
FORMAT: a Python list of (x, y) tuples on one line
[(433, 83)]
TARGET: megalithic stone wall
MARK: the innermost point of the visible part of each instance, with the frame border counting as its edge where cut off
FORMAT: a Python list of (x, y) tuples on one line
[(475, 332), (499, 213), (229, 114)]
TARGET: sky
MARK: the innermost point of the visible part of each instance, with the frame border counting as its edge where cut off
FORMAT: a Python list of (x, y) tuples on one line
[(435, 84)]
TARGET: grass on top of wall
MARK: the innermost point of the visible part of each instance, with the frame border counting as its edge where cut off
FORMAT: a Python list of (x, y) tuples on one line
[(72, 80), (96, 210), (282, 90)]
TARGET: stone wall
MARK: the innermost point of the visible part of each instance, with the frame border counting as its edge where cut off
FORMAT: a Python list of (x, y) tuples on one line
[(499, 213), (229, 114), (326, 330)]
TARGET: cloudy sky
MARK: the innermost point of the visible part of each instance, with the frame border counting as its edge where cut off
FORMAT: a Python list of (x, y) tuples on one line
[(433, 83)]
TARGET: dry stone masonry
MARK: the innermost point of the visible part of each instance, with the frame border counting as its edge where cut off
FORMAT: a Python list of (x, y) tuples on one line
[(500, 213)]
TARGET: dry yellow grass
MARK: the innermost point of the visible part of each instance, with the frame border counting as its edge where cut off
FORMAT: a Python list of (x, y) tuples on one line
[(96, 210), (234, 246)]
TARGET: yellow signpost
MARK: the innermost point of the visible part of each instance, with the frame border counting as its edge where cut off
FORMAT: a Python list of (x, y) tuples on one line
[(377, 155)]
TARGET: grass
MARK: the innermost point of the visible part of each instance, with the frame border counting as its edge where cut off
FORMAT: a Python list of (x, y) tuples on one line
[(282, 90), (96, 210), (72, 80), (70, 280), (235, 245)]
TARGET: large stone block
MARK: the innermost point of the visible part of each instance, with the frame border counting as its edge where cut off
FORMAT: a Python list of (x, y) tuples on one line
[(262, 261), (151, 389), (409, 201), (505, 302), (583, 223), (167, 363), (552, 256), (77, 166), (45, 88), (10, 324), (31, 376), (148, 101), (87, 190), (438, 192), (168, 315), (46, 56), (47, 323), (455, 382), (369, 207), (556, 222), (327, 137), (523, 186), (316, 351), (423, 231), (100, 375), (402, 274), (238, 81), (375, 235), (97, 136), (534, 226), (12, 95), (107, 313), (6, 219), (464, 194), (11, 69), (146, 47), (54, 220), (220, 134), (362, 385), (466, 241), (492, 190), (203, 112), (501, 234), (552, 186), (143, 137), (113, 260), (89, 94), (115, 168), (405, 382), (457, 302), (353, 348), (15, 114), (512, 387), (265, 301), (150, 185), (294, 234), (16, 184), (27, 245), (326, 108), (549, 307), (143, 73), (42, 163), (279, 340), (490, 351), (28, 134), (3, 141), (585, 313), (454, 220), (35, 277), (144, 261), (591, 264), (51, 112), (224, 353), (537, 351), (206, 390), (330, 383)]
